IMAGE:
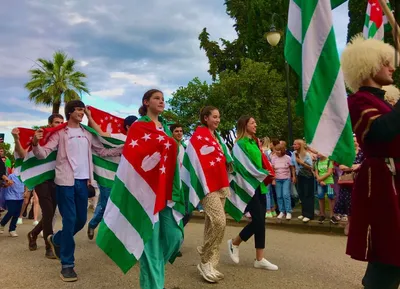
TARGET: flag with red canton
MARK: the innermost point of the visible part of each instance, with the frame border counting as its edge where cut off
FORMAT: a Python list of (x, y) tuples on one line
[(144, 184), (108, 122), (204, 168)]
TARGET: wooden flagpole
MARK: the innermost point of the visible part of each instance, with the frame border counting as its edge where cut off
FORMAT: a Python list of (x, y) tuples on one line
[(393, 23)]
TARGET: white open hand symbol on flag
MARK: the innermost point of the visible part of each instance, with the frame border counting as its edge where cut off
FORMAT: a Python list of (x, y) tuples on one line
[(205, 150), (149, 162)]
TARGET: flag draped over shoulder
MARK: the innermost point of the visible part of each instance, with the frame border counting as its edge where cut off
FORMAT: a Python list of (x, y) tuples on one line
[(108, 122), (33, 171), (249, 175), (145, 182), (376, 22), (311, 51), (204, 168)]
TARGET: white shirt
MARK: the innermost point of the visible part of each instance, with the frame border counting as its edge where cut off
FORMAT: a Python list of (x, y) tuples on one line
[(119, 136), (78, 153), (181, 154)]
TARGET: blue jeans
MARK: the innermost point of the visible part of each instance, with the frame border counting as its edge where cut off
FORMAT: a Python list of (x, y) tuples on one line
[(282, 189), (99, 212), (270, 198), (13, 210), (72, 203)]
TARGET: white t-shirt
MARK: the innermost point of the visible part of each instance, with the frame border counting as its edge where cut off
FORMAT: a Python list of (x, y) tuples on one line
[(78, 153), (181, 154), (119, 136)]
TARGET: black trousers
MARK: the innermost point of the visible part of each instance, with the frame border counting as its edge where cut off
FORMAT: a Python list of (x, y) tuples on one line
[(381, 276), (257, 208), (46, 192), (306, 188)]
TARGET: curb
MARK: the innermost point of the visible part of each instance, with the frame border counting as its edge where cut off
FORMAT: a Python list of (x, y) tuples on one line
[(293, 225)]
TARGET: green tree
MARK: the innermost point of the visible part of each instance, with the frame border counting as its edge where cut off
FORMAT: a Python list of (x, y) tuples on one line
[(256, 90), (55, 81)]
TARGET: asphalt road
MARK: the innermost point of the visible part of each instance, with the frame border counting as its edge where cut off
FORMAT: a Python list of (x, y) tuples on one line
[(305, 260)]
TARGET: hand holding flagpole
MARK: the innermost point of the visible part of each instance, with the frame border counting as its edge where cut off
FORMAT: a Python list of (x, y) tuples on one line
[(393, 23)]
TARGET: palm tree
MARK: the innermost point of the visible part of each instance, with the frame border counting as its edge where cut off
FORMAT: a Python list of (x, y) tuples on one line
[(57, 81)]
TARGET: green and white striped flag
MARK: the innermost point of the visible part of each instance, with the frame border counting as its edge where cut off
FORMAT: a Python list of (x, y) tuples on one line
[(243, 183), (311, 51), (376, 22), (33, 171)]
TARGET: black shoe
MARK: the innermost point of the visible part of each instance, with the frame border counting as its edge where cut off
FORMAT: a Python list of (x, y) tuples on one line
[(90, 233), (179, 254), (321, 219), (68, 275), (334, 221), (49, 254), (54, 247), (32, 242)]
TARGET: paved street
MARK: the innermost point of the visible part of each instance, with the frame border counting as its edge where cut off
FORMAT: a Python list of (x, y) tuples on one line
[(305, 261)]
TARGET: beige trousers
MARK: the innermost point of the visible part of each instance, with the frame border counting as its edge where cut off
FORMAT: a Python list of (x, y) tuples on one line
[(214, 227)]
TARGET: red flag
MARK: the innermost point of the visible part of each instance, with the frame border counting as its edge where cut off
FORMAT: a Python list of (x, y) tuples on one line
[(211, 157), (108, 122), (26, 135), (153, 155)]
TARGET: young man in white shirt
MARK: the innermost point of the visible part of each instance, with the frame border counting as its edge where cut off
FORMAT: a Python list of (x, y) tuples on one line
[(74, 169)]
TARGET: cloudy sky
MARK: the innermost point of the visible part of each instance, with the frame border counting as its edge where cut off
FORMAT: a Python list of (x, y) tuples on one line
[(125, 47)]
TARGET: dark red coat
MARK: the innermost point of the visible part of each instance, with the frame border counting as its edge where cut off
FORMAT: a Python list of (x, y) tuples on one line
[(374, 234)]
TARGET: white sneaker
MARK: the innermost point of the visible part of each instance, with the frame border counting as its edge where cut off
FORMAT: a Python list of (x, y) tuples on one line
[(281, 215), (306, 220), (13, 234), (265, 264), (300, 217), (207, 271), (217, 274), (35, 223), (19, 222), (233, 251), (288, 216), (1, 230), (41, 234)]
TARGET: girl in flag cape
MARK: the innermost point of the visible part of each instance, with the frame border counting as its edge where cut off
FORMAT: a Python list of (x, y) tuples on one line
[(252, 173), (143, 218), (204, 176)]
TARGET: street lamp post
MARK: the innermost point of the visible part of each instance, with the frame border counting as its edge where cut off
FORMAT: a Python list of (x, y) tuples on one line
[(273, 37)]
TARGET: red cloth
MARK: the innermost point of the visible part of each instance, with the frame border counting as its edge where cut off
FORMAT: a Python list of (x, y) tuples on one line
[(153, 155), (108, 122), (212, 159), (26, 135), (374, 234)]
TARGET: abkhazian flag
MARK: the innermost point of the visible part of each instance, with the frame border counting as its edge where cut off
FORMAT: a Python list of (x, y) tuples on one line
[(204, 166), (311, 51), (108, 122), (243, 182), (143, 185), (33, 171), (376, 22)]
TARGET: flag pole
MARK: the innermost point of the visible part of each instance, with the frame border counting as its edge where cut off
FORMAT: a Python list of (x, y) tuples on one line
[(393, 23)]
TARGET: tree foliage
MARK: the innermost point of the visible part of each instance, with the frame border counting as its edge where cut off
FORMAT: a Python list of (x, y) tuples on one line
[(55, 81), (255, 90), (357, 9)]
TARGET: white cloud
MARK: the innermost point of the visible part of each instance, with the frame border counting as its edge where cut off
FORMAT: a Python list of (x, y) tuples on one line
[(84, 63), (143, 80), (115, 92), (75, 18)]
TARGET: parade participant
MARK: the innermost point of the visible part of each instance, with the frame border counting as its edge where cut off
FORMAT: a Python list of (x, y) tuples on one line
[(208, 156), (368, 65), (392, 94), (73, 171), (104, 191), (247, 143), (14, 196), (46, 194)]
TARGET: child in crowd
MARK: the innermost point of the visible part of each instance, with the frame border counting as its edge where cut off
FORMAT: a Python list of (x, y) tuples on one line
[(324, 176), (14, 196)]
